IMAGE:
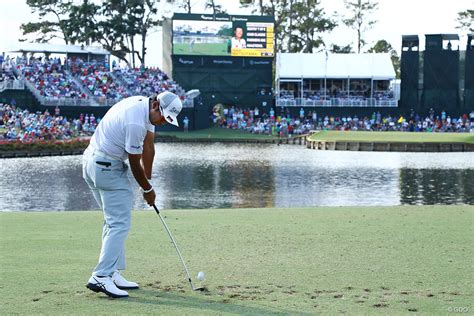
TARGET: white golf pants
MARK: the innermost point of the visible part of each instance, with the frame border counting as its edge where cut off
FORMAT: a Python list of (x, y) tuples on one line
[(109, 182)]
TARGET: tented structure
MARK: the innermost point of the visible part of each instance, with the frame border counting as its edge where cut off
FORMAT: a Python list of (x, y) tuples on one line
[(84, 52), (326, 79)]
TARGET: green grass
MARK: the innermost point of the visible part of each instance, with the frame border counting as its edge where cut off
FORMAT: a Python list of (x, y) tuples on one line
[(367, 260), (211, 49), (216, 132), (393, 137)]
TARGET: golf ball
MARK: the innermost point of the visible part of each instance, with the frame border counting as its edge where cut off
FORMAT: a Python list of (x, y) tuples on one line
[(200, 276)]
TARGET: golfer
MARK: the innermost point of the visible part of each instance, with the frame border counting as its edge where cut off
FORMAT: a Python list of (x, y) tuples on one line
[(238, 41), (126, 132)]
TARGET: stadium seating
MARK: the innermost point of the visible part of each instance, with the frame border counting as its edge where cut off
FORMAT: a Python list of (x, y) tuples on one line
[(76, 82)]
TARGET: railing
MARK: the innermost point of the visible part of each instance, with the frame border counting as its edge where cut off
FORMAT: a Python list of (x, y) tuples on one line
[(65, 102), (12, 85), (53, 101), (336, 102), (102, 101), (188, 103)]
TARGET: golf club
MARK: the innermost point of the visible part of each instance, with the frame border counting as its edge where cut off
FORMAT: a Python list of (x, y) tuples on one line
[(177, 250)]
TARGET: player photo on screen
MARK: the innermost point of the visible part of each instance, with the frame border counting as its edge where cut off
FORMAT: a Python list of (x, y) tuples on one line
[(238, 40)]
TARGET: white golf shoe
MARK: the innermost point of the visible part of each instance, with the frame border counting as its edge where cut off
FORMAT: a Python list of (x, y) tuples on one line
[(123, 284), (105, 285)]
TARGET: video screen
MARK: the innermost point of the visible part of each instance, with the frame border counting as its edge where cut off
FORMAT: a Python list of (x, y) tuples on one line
[(223, 35)]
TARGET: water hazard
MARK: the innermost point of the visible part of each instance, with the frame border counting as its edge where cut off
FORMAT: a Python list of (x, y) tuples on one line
[(235, 176)]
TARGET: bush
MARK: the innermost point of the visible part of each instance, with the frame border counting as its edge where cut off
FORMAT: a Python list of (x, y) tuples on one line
[(42, 145)]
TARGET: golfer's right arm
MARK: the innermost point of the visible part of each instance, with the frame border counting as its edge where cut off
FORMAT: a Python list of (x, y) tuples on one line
[(139, 174)]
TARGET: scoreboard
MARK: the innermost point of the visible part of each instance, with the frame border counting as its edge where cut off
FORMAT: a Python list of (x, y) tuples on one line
[(223, 35), (260, 39)]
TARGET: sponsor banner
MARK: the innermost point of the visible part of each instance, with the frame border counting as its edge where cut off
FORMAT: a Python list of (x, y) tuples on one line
[(224, 18), (187, 61), (222, 62), (258, 63)]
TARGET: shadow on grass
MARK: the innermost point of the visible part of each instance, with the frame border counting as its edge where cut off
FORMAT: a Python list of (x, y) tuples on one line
[(204, 303)]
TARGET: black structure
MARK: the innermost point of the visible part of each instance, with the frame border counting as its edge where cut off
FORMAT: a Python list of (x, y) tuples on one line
[(410, 69), (227, 80), (469, 73), (441, 72)]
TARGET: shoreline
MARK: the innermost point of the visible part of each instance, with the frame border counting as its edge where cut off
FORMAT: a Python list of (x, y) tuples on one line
[(422, 147), (427, 147)]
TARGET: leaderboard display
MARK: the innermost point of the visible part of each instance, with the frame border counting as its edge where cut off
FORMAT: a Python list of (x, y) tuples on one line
[(223, 35)]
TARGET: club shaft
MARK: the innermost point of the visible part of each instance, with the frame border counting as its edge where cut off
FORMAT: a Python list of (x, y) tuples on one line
[(175, 246)]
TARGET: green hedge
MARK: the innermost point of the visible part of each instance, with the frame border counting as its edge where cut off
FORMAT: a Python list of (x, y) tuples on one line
[(74, 144)]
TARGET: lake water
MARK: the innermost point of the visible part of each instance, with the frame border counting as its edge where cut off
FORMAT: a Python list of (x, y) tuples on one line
[(235, 176)]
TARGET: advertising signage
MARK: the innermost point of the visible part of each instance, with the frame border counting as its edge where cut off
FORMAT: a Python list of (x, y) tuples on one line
[(223, 35)]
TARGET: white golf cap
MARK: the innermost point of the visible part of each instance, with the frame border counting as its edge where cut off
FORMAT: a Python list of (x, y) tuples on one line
[(170, 106)]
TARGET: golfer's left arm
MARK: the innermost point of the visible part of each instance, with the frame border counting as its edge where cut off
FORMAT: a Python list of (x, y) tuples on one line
[(148, 154)]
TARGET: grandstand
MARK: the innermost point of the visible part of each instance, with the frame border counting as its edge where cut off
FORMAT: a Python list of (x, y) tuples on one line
[(335, 80), (82, 77)]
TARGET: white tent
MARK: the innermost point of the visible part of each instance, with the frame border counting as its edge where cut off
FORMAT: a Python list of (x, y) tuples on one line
[(325, 67), (335, 66), (22, 47)]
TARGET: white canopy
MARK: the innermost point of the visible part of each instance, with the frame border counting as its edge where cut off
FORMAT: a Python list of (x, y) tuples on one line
[(335, 66), (57, 49)]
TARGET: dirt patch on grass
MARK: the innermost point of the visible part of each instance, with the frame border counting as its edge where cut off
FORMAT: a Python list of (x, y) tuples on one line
[(380, 305)]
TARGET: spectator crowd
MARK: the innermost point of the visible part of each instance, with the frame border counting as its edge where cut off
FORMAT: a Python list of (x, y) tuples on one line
[(75, 78), (25, 126), (49, 78), (286, 125)]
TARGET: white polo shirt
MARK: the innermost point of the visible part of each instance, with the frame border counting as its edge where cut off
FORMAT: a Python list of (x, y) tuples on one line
[(123, 128)]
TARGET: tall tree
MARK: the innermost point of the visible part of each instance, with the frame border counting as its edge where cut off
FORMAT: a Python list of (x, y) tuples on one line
[(308, 22), (382, 46), (90, 23), (114, 24), (141, 16), (186, 5), (465, 20), (290, 26), (216, 8), (53, 16), (336, 49), (253, 3), (359, 18), (279, 10)]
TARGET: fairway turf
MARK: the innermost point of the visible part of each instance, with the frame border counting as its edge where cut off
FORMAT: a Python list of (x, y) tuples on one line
[(355, 260), (209, 49), (359, 136)]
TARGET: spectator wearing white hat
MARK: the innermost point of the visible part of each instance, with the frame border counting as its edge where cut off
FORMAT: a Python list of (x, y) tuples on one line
[(125, 132)]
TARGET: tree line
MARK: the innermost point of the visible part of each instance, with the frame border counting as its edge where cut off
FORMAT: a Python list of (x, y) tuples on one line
[(119, 25)]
